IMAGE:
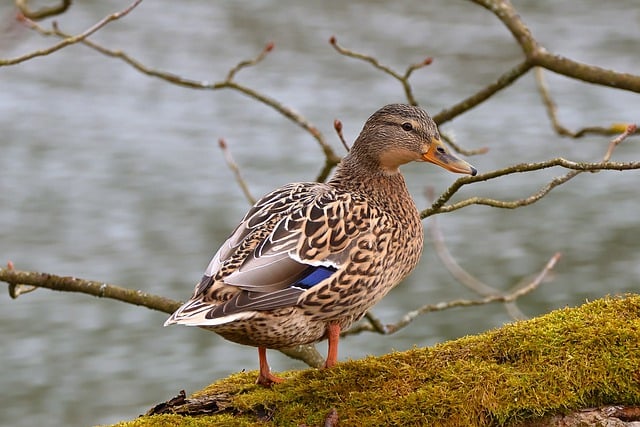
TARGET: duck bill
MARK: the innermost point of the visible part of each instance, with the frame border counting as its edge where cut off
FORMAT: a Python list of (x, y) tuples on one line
[(440, 155)]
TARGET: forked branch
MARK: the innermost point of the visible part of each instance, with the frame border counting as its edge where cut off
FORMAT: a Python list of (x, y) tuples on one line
[(21, 281), (576, 167), (402, 78), (412, 315), (69, 39)]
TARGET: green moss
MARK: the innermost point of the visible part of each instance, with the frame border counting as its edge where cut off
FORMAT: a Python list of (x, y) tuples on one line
[(568, 359)]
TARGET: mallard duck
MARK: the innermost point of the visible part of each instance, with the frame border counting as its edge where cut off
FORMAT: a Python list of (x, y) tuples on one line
[(311, 258)]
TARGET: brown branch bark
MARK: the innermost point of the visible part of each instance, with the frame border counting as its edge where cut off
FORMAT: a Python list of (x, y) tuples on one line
[(332, 159), (538, 55), (485, 93), (552, 112), (576, 168), (43, 12), (439, 205), (411, 316), (236, 171), (71, 39), (460, 274), (17, 279), (402, 78)]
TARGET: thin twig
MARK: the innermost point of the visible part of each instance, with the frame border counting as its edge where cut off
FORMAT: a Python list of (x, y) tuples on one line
[(411, 316), (537, 55), (630, 130), (43, 12), (17, 279), (483, 94), (71, 39), (402, 78), (439, 205), (459, 273), (250, 62), (552, 112), (331, 158), (236, 171), (337, 125), (449, 139)]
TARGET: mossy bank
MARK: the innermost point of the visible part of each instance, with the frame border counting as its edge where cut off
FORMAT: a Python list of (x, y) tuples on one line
[(566, 360)]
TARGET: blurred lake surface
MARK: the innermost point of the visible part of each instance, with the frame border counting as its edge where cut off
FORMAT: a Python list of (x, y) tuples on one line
[(111, 175)]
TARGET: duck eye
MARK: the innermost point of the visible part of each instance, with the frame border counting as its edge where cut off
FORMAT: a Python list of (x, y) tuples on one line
[(407, 126)]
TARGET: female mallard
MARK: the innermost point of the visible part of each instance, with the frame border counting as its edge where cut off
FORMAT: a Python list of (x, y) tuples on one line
[(310, 258)]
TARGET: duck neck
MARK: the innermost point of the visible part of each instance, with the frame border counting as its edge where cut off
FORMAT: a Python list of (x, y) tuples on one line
[(368, 178)]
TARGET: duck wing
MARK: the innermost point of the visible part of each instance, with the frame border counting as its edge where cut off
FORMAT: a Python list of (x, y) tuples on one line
[(290, 241)]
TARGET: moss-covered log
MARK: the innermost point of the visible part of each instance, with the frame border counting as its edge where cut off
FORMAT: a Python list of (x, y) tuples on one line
[(564, 361)]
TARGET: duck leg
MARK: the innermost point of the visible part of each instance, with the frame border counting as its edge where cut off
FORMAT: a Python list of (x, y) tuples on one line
[(333, 335), (266, 378)]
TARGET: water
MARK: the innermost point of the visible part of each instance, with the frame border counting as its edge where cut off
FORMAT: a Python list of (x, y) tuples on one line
[(114, 176)]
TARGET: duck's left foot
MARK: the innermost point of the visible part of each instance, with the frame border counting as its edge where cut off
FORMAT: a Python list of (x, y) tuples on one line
[(266, 378)]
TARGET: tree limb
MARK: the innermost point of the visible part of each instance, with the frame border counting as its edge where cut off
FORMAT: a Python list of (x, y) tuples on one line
[(17, 279), (538, 55), (402, 78), (438, 205), (236, 171), (410, 316), (552, 112), (460, 274), (485, 93), (43, 12), (577, 167), (71, 39)]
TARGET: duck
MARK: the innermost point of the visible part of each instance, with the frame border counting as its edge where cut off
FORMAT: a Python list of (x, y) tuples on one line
[(310, 258)]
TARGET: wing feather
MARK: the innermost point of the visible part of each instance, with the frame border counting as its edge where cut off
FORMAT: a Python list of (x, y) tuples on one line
[(271, 258)]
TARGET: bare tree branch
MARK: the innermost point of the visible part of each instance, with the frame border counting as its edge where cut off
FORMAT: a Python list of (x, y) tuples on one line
[(630, 130), (18, 279), (337, 125), (236, 171), (71, 39), (459, 273), (538, 55), (552, 112), (250, 62), (577, 167), (438, 206), (503, 81), (459, 149), (331, 158), (411, 316), (402, 78), (43, 12)]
